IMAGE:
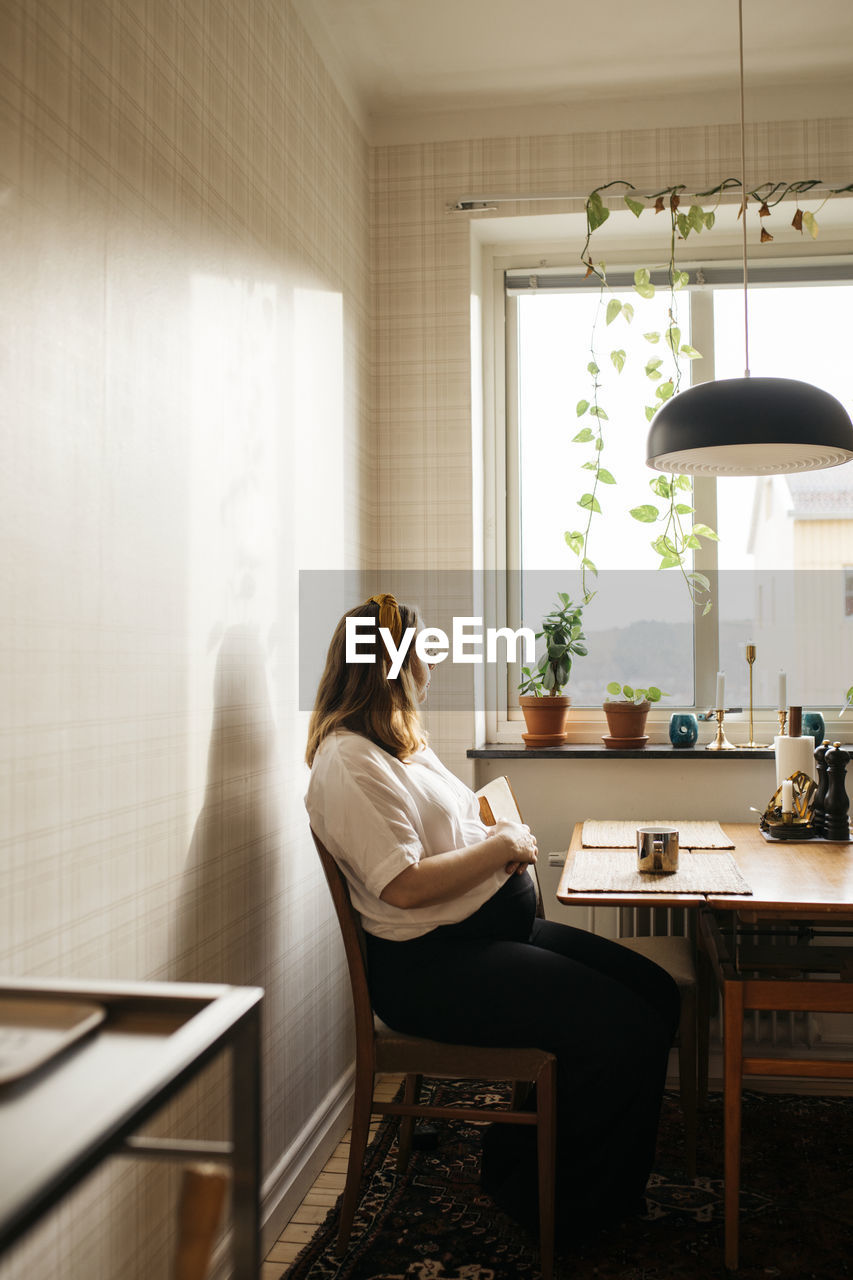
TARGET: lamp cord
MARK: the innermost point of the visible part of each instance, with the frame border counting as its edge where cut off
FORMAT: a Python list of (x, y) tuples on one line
[(743, 194)]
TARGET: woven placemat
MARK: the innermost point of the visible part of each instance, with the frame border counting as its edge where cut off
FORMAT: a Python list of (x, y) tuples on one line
[(598, 833), (615, 871)]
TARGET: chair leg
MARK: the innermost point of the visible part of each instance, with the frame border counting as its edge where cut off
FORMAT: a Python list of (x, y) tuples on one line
[(704, 999), (361, 1107), (202, 1199), (407, 1123), (732, 1119), (520, 1091), (546, 1143), (687, 1069)]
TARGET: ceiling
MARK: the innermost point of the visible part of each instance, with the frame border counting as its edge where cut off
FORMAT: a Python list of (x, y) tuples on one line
[(408, 66)]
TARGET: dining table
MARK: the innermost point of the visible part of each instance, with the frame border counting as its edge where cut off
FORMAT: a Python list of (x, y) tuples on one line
[(776, 930)]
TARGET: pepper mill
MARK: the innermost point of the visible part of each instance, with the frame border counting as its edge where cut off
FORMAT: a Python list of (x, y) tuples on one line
[(819, 803), (835, 824)]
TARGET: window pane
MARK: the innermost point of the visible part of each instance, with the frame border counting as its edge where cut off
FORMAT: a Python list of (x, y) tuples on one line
[(640, 624), (786, 542)]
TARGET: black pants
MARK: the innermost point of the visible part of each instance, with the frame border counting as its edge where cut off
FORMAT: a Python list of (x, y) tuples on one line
[(503, 977)]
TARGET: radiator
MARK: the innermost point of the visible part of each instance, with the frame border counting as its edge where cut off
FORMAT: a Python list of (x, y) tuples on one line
[(764, 1028)]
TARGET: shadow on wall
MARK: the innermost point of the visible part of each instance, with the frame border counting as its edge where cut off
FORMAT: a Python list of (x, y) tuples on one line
[(231, 877)]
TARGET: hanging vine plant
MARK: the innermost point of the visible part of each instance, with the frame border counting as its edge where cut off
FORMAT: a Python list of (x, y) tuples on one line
[(678, 535)]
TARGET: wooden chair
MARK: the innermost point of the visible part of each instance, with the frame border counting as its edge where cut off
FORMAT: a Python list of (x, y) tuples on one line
[(202, 1199), (379, 1049), (802, 977), (678, 956)]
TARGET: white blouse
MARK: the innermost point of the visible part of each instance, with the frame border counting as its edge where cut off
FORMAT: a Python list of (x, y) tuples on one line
[(378, 815)]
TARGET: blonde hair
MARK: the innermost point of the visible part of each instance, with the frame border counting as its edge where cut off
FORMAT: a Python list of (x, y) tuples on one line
[(360, 697)]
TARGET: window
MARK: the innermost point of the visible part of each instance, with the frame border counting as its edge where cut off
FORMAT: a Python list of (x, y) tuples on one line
[(779, 574)]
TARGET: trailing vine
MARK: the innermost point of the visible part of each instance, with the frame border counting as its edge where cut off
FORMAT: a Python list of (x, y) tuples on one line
[(679, 535)]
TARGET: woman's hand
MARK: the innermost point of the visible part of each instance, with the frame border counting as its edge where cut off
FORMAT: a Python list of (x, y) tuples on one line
[(509, 847), (520, 845)]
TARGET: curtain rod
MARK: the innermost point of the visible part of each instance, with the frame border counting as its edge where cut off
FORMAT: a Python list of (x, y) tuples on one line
[(765, 191)]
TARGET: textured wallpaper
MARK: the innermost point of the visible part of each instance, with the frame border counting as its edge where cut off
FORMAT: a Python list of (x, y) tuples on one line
[(185, 371)]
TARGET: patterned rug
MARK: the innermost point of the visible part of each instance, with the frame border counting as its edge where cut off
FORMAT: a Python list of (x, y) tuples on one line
[(435, 1223)]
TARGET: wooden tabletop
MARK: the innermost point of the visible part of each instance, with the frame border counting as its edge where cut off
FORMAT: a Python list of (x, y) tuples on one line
[(812, 878)]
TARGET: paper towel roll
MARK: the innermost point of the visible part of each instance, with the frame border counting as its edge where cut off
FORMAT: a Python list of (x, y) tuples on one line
[(793, 754)]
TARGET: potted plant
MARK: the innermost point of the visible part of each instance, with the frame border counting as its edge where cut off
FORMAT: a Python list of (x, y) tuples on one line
[(626, 716), (545, 706)]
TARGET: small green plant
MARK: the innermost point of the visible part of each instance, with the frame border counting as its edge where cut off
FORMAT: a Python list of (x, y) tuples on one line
[(564, 641), (627, 693), (848, 701)]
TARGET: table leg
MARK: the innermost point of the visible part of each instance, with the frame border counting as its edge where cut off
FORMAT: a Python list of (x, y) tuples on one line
[(732, 1081), (246, 1135)]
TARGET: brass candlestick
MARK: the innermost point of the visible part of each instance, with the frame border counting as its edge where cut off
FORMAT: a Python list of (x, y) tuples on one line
[(783, 722), (721, 742), (752, 745)]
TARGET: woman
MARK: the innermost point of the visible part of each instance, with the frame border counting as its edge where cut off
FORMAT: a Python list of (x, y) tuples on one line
[(455, 951)]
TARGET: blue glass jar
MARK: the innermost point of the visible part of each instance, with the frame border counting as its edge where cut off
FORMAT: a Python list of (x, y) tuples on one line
[(814, 727), (683, 729)]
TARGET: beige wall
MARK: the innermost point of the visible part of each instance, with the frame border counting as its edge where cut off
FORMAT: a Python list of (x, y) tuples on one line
[(185, 372)]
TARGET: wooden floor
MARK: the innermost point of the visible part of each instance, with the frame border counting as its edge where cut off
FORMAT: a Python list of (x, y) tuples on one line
[(322, 1196)]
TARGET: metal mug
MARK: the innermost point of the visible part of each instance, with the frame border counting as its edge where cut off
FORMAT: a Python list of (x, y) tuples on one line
[(657, 850)]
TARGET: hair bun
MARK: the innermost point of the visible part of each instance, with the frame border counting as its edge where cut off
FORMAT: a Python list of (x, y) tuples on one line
[(389, 615)]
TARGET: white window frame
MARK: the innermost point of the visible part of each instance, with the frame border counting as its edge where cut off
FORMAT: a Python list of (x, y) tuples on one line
[(503, 719)]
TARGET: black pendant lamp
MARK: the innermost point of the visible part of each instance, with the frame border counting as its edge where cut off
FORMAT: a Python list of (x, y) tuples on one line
[(749, 426)]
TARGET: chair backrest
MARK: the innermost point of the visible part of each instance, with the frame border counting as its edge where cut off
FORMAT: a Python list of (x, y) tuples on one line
[(354, 947), (497, 800)]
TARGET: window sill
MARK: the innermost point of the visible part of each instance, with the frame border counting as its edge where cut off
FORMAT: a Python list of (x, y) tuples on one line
[(594, 751)]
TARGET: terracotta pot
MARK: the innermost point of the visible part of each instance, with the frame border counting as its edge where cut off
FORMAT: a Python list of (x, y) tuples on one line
[(626, 722), (545, 719)]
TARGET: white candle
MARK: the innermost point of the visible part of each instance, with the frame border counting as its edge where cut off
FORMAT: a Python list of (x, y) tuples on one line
[(787, 796), (721, 691), (783, 691)]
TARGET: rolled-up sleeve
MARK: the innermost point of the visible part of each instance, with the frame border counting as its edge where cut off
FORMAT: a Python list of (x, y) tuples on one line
[(368, 819)]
